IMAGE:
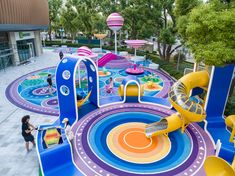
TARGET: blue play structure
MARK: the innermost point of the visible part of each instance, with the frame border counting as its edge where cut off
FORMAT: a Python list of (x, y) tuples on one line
[(218, 92), (65, 81), (58, 160)]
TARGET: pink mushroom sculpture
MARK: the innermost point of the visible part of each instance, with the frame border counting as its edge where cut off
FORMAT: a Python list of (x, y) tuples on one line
[(85, 51), (115, 22), (135, 43)]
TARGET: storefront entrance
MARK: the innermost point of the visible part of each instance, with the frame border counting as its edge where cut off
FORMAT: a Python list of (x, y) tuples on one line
[(26, 49)]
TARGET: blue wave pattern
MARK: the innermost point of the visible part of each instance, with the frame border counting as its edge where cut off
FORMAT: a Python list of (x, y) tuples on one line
[(180, 144)]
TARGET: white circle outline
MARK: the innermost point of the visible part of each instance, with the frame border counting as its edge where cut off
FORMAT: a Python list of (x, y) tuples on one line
[(138, 148)]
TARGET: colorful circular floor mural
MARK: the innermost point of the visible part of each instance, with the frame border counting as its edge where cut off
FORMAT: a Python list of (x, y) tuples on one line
[(111, 141), (31, 91)]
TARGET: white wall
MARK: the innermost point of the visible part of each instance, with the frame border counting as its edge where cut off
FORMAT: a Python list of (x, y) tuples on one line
[(38, 43), (12, 41)]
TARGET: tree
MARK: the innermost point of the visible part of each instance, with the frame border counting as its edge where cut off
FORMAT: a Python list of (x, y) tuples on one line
[(181, 12), (86, 15), (99, 23), (167, 33), (145, 18), (68, 20), (54, 6), (210, 33)]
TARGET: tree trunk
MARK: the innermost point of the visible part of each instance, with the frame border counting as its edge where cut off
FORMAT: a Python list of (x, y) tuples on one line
[(165, 18), (159, 49), (164, 52), (168, 53), (50, 30), (73, 38)]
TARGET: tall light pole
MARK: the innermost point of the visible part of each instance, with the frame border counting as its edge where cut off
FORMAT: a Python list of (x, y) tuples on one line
[(61, 33), (178, 61)]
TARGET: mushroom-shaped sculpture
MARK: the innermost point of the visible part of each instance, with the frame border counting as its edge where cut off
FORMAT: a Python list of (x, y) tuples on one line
[(115, 22), (85, 51), (135, 43), (100, 37)]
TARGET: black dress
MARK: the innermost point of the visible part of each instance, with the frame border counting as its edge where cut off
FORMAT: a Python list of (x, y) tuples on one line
[(28, 137)]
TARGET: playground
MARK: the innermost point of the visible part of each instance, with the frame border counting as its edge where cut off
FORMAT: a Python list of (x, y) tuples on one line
[(31, 92), (132, 118), (131, 129)]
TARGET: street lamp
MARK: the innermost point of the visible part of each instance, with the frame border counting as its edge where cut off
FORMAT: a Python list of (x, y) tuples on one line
[(178, 61), (61, 33)]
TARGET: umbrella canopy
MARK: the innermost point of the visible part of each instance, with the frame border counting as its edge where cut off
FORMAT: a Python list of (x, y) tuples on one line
[(100, 36), (135, 43)]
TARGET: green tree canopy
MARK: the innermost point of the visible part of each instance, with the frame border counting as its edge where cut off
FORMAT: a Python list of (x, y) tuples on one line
[(210, 33), (54, 7), (181, 11), (68, 19)]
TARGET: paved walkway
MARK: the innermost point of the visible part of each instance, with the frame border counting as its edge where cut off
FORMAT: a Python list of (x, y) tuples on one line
[(14, 160)]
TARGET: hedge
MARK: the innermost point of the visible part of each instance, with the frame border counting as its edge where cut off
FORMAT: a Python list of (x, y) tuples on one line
[(169, 67)]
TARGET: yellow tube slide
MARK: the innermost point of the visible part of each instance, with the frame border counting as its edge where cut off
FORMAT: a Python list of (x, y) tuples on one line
[(189, 111), (131, 90), (180, 92), (230, 122), (81, 102), (215, 166)]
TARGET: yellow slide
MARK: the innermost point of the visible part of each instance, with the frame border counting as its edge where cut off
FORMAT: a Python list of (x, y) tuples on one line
[(131, 90), (230, 122), (215, 166), (189, 111), (81, 102)]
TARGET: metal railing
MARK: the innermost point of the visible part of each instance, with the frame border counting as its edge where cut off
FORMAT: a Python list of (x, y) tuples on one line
[(7, 52), (6, 56)]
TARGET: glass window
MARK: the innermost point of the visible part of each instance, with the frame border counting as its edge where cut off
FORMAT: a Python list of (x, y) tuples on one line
[(64, 90), (92, 68), (66, 74), (90, 79)]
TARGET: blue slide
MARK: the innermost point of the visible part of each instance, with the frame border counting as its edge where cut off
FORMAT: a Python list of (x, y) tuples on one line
[(216, 104), (61, 153)]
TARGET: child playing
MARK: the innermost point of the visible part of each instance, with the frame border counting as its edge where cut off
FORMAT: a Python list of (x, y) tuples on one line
[(68, 129), (49, 81), (110, 86), (61, 54)]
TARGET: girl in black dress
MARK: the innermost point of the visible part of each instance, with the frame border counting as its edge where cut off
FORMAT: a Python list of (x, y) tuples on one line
[(27, 128)]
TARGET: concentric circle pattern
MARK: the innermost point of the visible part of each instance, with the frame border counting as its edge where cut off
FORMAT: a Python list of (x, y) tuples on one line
[(128, 142), (111, 141), (30, 91)]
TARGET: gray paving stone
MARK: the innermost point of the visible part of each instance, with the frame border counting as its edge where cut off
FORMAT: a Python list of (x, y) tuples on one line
[(4, 144), (4, 171), (14, 160)]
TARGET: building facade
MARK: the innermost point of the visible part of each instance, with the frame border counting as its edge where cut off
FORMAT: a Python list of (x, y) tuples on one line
[(20, 24)]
